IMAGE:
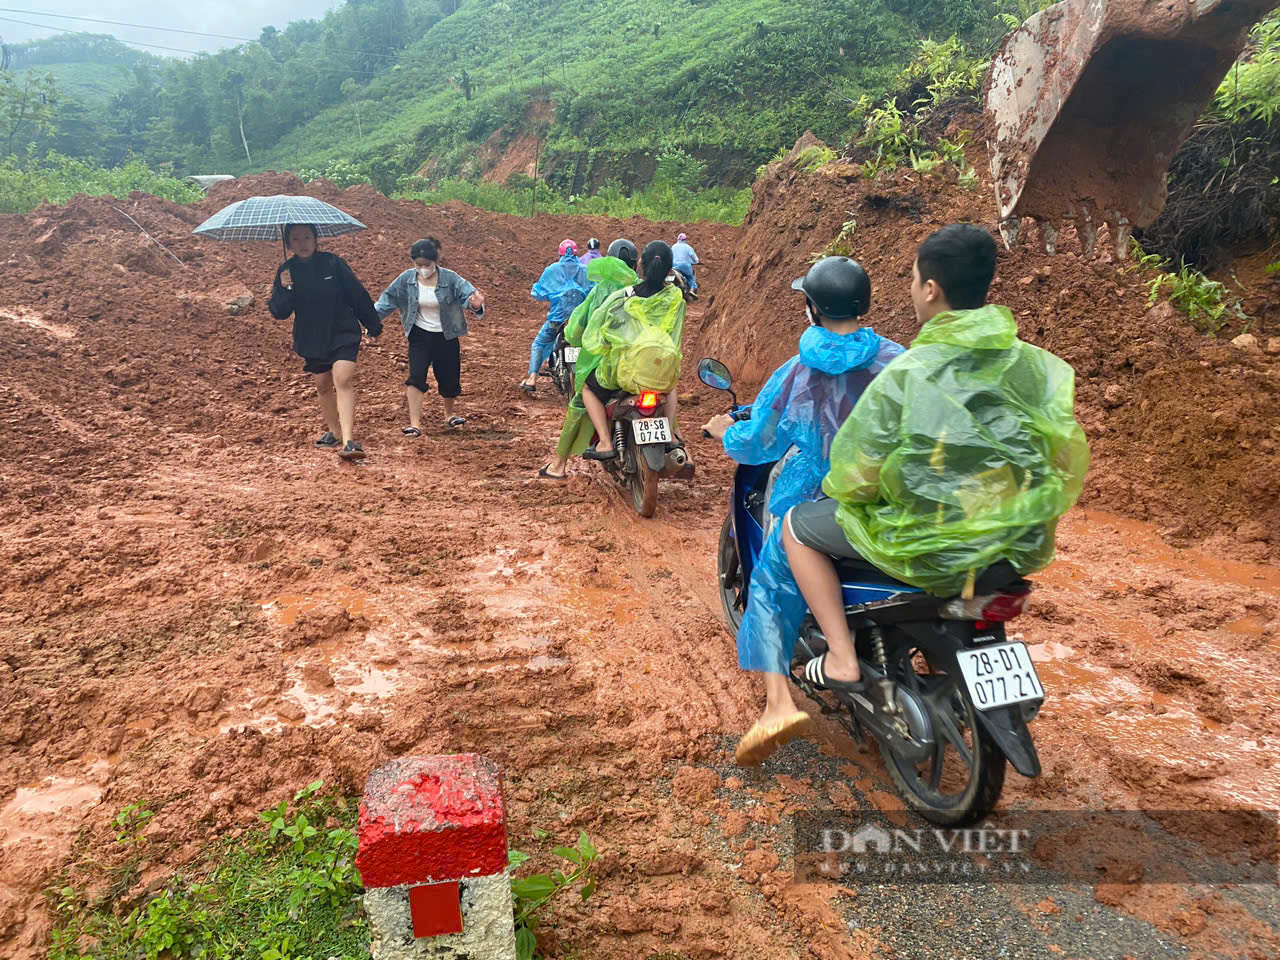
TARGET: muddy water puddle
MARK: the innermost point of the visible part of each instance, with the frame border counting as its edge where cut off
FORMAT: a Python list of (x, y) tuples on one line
[(1129, 673)]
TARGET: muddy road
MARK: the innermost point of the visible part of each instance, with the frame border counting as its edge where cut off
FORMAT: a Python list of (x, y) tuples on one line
[(201, 612)]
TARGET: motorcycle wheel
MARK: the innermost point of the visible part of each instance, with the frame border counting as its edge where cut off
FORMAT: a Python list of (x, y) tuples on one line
[(644, 487), (960, 782), (557, 370), (733, 589)]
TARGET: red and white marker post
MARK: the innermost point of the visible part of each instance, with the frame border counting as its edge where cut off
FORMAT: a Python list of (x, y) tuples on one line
[(433, 856)]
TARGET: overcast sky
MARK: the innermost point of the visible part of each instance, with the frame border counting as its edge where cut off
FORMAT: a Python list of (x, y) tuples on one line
[(237, 18)]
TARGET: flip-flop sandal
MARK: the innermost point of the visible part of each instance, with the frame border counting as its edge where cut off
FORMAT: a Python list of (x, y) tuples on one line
[(816, 675), (762, 740), (455, 421), (328, 440), (591, 453), (530, 390), (352, 451), (411, 431), (546, 473)]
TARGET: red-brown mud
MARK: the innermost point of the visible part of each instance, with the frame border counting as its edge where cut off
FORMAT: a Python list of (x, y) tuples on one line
[(202, 612)]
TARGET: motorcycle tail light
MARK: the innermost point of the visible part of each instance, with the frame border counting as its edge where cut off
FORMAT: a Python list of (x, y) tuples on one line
[(648, 402), (987, 609)]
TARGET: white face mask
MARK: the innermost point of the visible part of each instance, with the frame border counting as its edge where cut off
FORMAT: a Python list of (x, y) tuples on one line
[(808, 312), (426, 273)]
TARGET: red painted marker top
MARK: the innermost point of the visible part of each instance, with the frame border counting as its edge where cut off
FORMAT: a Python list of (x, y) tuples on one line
[(429, 819)]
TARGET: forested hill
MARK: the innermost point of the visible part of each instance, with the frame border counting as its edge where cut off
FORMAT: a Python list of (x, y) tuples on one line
[(599, 86)]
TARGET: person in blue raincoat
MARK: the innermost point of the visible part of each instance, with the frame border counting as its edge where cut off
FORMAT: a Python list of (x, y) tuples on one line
[(563, 285), (801, 406)]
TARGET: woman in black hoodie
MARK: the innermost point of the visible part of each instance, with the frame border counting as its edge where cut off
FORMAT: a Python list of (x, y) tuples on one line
[(329, 305)]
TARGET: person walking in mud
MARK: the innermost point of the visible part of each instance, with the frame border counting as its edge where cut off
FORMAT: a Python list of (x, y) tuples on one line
[(329, 305), (432, 302)]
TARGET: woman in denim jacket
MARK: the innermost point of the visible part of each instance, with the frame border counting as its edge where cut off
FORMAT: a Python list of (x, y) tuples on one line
[(432, 302)]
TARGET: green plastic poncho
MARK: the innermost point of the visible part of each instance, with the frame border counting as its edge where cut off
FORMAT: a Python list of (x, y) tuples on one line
[(609, 274), (638, 340), (964, 451)]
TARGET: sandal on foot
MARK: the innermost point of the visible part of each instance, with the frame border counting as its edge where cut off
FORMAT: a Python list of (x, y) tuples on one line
[(591, 453), (815, 673), (328, 440), (763, 739), (455, 422), (531, 390), (352, 451), (411, 431), (546, 473)]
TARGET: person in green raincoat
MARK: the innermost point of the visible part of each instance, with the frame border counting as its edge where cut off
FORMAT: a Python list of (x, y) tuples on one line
[(610, 273), (637, 334), (962, 453)]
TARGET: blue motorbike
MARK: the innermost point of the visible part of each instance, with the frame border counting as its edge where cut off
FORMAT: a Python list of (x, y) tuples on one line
[(953, 696)]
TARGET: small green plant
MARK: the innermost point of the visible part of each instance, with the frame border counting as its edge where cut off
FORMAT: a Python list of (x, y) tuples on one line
[(1274, 268), (1204, 301), (947, 70), (129, 824), (841, 245), (925, 161), (535, 891), (968, 178), (953, 150), (812, 158)]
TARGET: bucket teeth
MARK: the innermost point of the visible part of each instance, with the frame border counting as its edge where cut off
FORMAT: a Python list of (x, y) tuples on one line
[(1124, 230), (1049, 234), (1009, 231), (1088, 231)]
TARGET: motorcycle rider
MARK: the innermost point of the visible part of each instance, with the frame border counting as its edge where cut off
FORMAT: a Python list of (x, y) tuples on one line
[(653, 305), (610, 273), (563, 285), (683, 257), (593, 252), (801, 406), (963, 453)]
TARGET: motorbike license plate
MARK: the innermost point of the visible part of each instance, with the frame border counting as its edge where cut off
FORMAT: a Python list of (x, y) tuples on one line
[(571, 354), (651, 430), (1000, 675)]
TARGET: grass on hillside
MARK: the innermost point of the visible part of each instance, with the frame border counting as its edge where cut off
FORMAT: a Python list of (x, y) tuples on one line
[(26, 184)]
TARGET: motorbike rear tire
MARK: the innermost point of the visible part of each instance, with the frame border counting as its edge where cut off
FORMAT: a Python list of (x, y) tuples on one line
[(982, 790), (729, 573), (644, 487)]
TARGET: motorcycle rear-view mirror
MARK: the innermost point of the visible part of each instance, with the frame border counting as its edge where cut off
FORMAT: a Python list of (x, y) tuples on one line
[(714, 374)]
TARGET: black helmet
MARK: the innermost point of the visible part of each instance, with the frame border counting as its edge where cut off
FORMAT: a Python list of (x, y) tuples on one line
[(838, 287), (593, 244), (625, 251)]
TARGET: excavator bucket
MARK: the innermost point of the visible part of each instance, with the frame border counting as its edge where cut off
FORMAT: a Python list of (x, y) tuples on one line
[(1087, 102)]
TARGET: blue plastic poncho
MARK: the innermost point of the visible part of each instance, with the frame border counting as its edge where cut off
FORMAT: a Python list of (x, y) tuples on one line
[(802, 405), (564, 285)]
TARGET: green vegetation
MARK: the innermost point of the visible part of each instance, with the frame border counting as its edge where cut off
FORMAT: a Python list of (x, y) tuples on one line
[(287, 891), (1207, 303), (841, 245), (533, 892), (31, 181)]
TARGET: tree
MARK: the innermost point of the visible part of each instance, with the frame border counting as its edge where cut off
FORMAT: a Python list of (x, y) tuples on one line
[(31, 103)]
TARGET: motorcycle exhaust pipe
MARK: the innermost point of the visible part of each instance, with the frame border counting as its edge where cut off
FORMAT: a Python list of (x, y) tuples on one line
[(678, 457)]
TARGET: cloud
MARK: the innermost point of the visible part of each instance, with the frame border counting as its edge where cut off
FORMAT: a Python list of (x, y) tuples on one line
[(243, 19)]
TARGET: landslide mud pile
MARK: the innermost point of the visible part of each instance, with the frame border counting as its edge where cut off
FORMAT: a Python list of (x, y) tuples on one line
[(1184, 428)]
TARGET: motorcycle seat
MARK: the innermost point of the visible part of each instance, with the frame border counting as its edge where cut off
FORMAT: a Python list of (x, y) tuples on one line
[(995, 578)]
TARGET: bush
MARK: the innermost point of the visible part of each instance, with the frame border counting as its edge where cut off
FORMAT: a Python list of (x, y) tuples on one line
[(56, 179), (1205, 302)]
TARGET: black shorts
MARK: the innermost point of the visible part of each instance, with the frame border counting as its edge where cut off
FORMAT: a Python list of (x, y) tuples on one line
[(605, 396), (325, 364), (428, 348), (814, 524)]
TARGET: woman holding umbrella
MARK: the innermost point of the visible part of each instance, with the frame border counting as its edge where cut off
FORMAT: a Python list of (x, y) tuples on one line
[(329, 305)]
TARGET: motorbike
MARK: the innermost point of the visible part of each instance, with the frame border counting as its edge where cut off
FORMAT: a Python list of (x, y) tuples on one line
[(562, 366), (642, 438), (953, 696)]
